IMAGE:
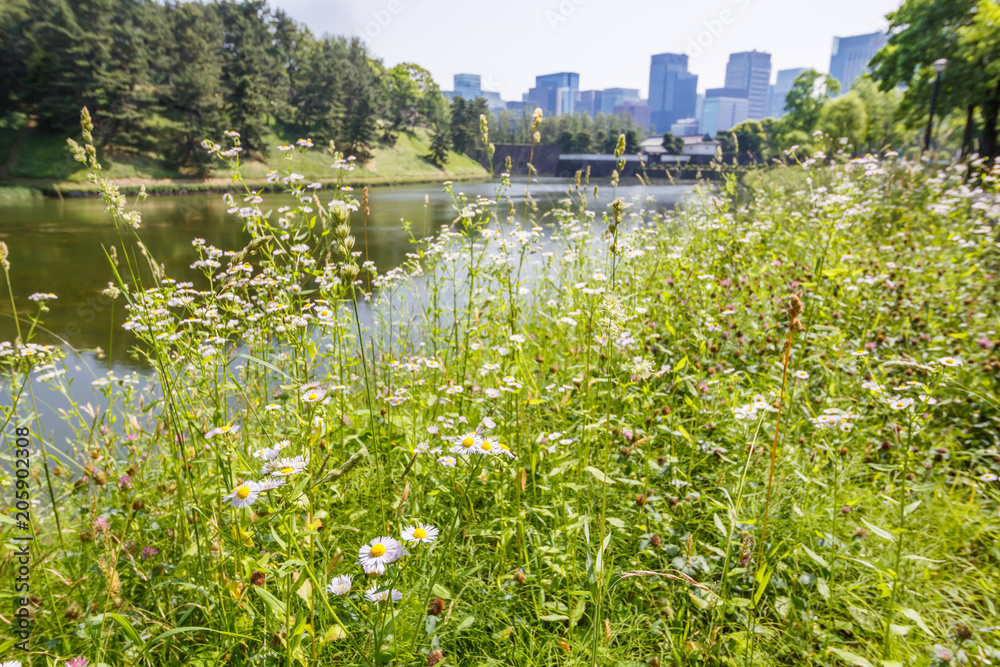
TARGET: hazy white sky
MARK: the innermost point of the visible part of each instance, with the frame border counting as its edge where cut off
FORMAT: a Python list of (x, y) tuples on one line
[(608, 42)]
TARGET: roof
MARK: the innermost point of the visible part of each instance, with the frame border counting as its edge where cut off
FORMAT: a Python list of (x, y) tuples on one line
[(697, 139)]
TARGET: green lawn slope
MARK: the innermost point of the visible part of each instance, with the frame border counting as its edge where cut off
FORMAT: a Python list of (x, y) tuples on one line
[(34, 159)]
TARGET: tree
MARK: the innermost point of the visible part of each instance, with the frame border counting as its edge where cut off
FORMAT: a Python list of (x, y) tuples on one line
[(439, 145), (965, 33), (582, 142), (844, 118), (566, 143), (413, 97), (747, 140), (193, 95), (805, 100), (979, 44), (673, 145), (318, 82), (362, 100), (247, 73), (631, 142), (880, 112), (465, 131)]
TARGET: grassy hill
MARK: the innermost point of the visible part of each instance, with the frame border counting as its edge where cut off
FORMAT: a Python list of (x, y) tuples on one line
[(41, 160)]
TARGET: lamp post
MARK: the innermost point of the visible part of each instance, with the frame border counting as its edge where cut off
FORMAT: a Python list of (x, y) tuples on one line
[(939, 66)]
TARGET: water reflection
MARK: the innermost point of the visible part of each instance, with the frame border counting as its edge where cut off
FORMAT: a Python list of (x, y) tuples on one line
[(60, 247)]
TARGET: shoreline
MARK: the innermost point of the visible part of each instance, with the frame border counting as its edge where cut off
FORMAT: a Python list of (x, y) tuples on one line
[(67, 190)]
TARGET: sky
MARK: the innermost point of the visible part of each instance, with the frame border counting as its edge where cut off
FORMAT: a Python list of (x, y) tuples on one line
[(608, 42)]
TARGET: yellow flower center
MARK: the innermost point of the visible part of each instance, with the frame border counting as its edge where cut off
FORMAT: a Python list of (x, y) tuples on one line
[(420, 533), (313, 396), (486, 446), (377, 550), (287, 470), (468, 441), (243, 492)]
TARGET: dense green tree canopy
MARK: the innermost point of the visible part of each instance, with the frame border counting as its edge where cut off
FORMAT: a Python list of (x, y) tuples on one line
[(162, 76), (967, 34)]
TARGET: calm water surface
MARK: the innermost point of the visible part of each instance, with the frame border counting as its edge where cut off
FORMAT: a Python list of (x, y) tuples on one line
[(59, 246)]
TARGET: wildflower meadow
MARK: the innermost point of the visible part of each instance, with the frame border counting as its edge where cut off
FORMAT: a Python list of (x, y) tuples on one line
[(760, 429)]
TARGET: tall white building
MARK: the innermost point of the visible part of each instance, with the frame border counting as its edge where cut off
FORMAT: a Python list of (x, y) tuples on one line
[(779, 91), (751, 71), (724, 109)]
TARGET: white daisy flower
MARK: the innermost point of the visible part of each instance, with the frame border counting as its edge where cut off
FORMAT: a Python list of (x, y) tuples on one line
[(447, 461), (988, 477), (222, 430), (377, 554), (268, 484), (802, 375), (313, 395), (488, 446), (467, 443), (949, 361), (287, 466), (421, 448), (375, 594), (340, 585), (423, 534), (243, 495), (898, 403), (270, 453)]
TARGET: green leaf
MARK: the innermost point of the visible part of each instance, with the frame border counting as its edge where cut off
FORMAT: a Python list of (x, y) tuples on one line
[(177, 631), (914, 616), (816, 557), (601, 477), (719, 525), (850, 658), (276, 605), (466, 623), (441, 592), (127, 627), (554, 617), (763, 577), (577, 613), (884, 534)]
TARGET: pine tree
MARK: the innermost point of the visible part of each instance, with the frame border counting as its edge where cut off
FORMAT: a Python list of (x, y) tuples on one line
[(248, 71), (194, 95), (361, 100), (440, 140)]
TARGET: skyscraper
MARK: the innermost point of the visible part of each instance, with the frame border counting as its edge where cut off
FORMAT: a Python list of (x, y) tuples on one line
[(751, 71), (616, 97), (468, 86), (851, 55), (779, 91), (724, 109), (673, 91), (555, 93), (589, 102)]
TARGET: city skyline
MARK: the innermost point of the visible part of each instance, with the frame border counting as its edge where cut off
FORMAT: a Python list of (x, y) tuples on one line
[(449, 37)]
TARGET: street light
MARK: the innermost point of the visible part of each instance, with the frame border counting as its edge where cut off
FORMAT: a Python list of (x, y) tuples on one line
[(939, 66)]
